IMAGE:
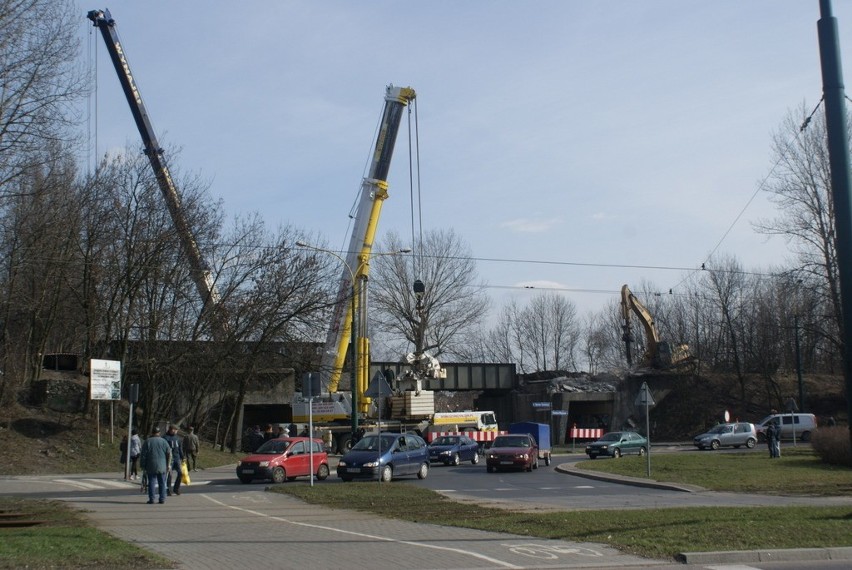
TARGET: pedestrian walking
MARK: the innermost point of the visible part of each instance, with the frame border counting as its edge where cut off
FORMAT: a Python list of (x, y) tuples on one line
[(154, 457), (135, 450), (175, 443), (122, 458), (190, 449)]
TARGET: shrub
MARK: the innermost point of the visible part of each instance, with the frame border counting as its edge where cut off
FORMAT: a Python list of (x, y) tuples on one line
[(832, 445)]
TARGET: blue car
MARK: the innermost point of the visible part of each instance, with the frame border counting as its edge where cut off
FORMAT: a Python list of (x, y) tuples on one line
[(384, 457), (453, 449)]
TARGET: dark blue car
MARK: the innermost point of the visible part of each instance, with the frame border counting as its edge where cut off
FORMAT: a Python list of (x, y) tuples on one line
[(453, 449), (385, 457)]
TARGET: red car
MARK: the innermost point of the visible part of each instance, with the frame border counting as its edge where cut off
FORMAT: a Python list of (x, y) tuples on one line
[(284, 459), (512, 452)]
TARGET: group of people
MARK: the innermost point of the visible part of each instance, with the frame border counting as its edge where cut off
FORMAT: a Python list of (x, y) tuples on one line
[(255, 436), (160, 458)]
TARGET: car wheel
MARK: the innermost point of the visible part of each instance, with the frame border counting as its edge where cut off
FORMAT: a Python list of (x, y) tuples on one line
[(386, 474), (535, 463), (423, 472), (642, 452), (344, 444), (547, 459), (714, 445), (456, 459), (322, 472), (593, 456), (244, 479), (489, 469), (750, 443), (616, 453), (278, 475), (475, 459), (806, 436)]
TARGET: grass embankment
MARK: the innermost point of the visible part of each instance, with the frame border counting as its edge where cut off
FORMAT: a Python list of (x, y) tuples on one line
[(64, 540), (655, 533), (797, 472)]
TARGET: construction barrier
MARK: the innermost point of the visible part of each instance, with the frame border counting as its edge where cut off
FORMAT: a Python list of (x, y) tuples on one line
[(477, 436), (585, 433)]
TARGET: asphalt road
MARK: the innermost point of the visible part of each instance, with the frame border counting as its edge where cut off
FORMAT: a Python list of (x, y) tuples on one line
[(218, 522)]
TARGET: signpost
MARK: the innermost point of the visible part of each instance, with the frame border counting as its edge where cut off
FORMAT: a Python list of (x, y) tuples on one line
[(645, 398), (104, 384)]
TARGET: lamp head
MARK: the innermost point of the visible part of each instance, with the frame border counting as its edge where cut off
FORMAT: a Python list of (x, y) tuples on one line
[(419, 289)]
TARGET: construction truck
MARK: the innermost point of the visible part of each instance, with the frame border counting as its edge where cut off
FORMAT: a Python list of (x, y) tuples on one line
[(659, 354), (200, 270), (340, 412)]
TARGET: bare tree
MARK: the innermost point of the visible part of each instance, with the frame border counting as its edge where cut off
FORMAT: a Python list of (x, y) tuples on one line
[(454, 304), (39, 81), (801, 187), (38, 242), (552, 332), (603, 347)]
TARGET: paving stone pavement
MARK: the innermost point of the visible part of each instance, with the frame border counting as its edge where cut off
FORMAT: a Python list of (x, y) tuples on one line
[(214, 529)]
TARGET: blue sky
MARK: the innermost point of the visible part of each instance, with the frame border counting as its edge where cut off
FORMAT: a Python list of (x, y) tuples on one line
[(616, 133)]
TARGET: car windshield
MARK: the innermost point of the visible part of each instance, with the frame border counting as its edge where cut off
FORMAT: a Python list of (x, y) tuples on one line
[(614, 436), (446, 441), (273, 447), (372, 443), (511, 442)]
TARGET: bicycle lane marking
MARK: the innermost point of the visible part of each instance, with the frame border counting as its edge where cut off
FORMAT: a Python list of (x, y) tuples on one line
[(370, 536)]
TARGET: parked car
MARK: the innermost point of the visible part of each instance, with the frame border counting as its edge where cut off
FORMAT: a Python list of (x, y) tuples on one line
[(618, 443), (284, 459), (733, 434), (453, 449), (384, 457), (512, 452), (801, 424)]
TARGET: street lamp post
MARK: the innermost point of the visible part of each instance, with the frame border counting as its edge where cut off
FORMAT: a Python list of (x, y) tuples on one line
[(358, 290)]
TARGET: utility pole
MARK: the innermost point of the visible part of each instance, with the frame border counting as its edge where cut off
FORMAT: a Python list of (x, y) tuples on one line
[(838, 156)]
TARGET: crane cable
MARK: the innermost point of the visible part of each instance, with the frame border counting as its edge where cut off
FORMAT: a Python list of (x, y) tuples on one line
[(414, 190)]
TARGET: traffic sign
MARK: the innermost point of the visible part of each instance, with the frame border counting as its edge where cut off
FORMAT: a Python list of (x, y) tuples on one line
[(644, 397)]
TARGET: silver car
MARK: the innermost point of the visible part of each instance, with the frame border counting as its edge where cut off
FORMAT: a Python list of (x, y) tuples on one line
[(736, 435)]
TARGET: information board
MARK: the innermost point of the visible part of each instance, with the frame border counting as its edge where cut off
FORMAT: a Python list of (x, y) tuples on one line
[(105, 379)]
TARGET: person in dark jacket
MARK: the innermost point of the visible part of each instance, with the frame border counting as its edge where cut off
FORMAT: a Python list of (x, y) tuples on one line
[(175, 444), (773, 439), (154, 457)]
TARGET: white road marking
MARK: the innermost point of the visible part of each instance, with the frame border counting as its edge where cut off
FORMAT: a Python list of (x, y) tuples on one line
[(100, 483), (370, 536), (78, 484), (731, 567)]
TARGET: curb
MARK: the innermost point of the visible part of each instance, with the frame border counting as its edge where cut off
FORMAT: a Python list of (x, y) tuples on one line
[(570, 469), (778, 555)]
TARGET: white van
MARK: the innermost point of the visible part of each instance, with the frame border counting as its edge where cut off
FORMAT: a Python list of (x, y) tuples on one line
[(800, 424)]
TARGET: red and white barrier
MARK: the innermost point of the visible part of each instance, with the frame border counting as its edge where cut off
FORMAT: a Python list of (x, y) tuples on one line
[(474, 435), (585, 433)]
